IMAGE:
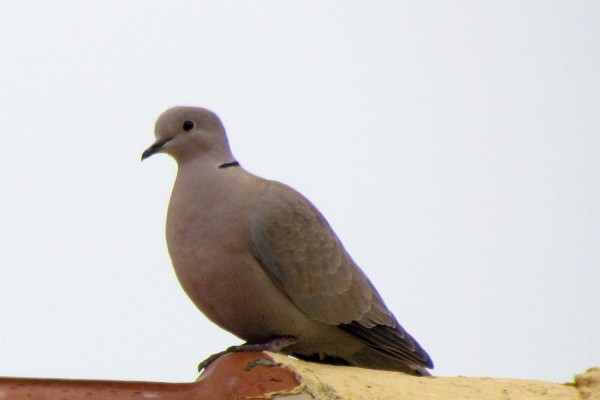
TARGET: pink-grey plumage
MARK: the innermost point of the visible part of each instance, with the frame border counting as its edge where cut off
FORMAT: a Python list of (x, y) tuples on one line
[(260, 261)]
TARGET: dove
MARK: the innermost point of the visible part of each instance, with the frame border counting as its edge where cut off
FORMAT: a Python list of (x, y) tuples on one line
[(260, 261)]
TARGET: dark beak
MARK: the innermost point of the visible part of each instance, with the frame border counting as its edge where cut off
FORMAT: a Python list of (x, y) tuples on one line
[(155, 148)]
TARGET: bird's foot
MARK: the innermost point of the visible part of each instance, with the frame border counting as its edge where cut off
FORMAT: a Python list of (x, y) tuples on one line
[(275, 345)]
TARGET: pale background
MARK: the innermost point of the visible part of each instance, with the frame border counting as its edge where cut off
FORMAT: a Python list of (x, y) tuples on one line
[(453, 146)]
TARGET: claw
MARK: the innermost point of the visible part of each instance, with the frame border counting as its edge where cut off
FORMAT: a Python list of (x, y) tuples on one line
[(275, 345)]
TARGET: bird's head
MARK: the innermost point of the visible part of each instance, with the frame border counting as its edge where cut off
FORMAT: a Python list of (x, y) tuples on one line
[(186, 133)]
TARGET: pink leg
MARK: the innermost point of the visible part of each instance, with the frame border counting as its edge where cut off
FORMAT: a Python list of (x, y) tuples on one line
[(275, 345)]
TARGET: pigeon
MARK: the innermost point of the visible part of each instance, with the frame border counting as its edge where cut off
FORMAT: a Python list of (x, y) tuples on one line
[(260, 261)]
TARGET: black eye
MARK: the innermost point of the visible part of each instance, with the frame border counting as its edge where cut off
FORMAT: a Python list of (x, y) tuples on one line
[(188, 126)]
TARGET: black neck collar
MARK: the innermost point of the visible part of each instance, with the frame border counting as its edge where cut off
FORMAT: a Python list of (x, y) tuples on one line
[(229, 164)]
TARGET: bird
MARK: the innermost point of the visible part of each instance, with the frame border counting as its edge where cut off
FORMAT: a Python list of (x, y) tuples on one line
[(259, 260)]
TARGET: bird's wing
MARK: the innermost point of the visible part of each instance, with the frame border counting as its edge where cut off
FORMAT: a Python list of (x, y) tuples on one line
[(303, 256)]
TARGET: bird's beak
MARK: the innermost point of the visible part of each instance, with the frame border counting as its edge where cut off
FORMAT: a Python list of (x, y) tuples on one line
[(155, 148)]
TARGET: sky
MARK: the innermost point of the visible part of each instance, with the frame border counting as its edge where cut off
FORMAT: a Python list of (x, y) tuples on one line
[(453, 146)]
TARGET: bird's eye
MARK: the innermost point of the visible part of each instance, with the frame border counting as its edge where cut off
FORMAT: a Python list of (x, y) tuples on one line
[(188, 126)]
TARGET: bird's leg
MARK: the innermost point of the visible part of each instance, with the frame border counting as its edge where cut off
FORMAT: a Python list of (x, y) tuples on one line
[(275, 345)]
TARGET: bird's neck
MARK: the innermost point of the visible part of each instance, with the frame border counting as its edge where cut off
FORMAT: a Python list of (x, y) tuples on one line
[(206, 179)]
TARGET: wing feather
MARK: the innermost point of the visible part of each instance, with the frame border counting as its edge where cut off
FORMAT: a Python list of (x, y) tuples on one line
[(301, 253)]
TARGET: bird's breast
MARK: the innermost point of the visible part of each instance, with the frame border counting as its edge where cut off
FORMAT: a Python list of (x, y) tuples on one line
[(208, 236)]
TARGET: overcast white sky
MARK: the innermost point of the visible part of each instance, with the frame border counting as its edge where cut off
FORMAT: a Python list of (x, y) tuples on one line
[(453, 146)]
